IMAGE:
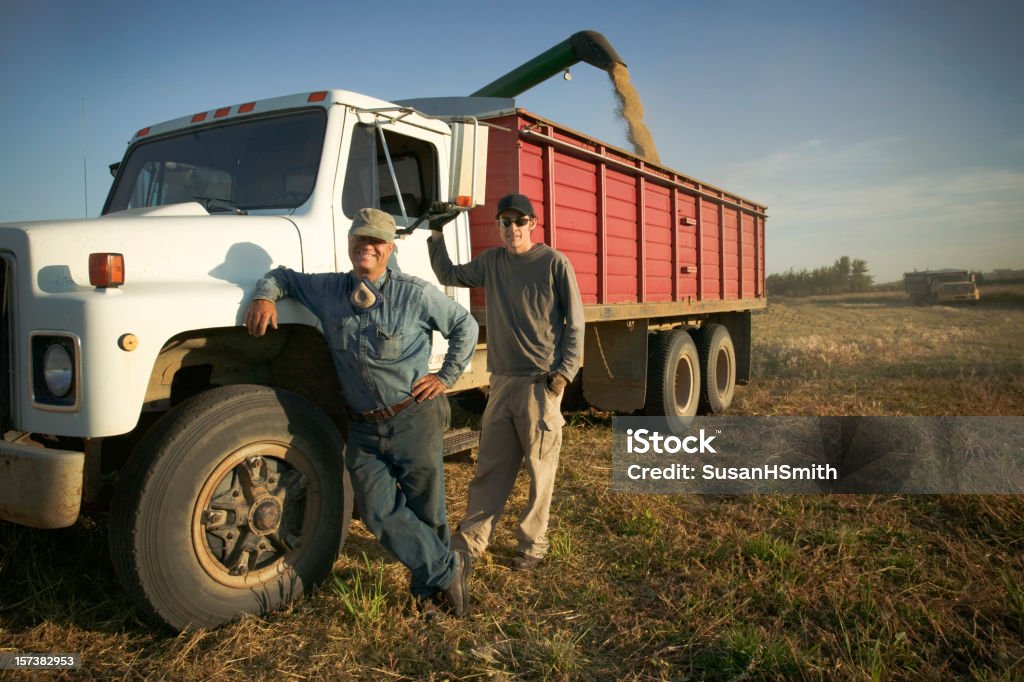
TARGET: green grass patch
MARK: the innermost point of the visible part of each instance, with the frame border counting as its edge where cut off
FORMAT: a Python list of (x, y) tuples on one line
[(362, 591)]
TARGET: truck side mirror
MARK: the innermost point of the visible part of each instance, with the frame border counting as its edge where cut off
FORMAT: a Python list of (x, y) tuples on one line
[(467, 184)]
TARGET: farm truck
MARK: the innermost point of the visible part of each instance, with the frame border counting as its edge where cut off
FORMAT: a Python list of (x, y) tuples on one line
[(130, 383), (940, 286)]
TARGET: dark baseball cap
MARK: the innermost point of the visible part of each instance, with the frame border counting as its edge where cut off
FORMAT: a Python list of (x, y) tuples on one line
[(515, 202)]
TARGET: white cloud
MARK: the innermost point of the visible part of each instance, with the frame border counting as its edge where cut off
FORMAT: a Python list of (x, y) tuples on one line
[(825, 201)]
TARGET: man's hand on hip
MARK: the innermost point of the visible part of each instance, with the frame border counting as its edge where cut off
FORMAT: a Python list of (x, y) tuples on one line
[(259, 315), (427, 387)]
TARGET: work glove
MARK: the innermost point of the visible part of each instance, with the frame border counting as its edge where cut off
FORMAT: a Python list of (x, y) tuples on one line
[(556, 383), (440, 214)]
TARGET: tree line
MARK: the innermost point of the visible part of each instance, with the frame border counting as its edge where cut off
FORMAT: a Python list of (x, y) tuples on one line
[(844, 276)]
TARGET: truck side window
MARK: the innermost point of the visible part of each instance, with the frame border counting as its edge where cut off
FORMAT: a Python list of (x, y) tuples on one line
[(368, 179)]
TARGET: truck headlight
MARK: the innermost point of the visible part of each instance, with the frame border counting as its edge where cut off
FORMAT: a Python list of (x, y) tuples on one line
[(58, 371), (55, 371)]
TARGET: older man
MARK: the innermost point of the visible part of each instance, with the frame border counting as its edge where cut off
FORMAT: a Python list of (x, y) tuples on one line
[(378, 324), (534, 348)]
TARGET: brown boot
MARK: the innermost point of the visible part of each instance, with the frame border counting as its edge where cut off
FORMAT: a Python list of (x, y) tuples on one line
[(457, 593), (525, 562)]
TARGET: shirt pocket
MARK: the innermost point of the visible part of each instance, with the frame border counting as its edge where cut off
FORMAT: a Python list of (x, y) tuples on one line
[(389, 346), (344, 333)]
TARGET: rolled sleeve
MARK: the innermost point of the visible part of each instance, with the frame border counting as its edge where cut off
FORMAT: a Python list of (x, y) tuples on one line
[(309, 289), (269, 289), (456, 325)]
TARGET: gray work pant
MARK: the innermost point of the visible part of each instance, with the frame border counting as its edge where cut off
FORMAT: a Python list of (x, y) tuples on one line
[(522, 424)]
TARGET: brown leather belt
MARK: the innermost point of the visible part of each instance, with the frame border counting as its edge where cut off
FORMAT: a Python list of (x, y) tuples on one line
[(381, 414)]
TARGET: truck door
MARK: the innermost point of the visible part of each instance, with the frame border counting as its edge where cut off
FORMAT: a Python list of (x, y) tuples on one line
[(401, 168)]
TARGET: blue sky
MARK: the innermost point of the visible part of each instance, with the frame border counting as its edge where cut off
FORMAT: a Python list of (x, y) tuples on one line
[(889, 131)]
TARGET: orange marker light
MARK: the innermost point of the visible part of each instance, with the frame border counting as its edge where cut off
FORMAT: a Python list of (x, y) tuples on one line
[(224, 111), (106, 269), (246, 108), (199, 117), (317, 96), (143, 132), (464, 201)]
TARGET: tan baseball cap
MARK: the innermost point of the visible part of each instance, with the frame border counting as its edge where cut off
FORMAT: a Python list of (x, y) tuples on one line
[(373, 222)]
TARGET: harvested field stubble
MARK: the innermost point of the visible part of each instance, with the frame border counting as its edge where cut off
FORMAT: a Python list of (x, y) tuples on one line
[(878, 355), (645, 587)]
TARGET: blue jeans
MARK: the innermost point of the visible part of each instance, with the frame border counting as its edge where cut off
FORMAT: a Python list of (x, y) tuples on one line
[(397, 472)]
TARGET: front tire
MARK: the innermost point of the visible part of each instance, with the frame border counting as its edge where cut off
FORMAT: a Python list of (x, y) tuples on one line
[(236, 502)]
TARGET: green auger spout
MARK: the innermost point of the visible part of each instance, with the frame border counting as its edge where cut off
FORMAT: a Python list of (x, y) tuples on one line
[(586, 46)]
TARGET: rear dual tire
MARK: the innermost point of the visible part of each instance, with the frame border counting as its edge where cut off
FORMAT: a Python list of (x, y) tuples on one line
[(717, 367), (689, 373), (673, 377)]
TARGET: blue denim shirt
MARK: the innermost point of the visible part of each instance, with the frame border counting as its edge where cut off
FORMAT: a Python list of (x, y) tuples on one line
[(379, 353)]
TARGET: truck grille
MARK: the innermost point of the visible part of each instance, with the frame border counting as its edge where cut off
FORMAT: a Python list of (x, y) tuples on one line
[(6, 325)]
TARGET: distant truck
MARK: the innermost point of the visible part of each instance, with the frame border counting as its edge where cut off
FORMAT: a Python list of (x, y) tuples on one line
[(940, 286), (128, 379)]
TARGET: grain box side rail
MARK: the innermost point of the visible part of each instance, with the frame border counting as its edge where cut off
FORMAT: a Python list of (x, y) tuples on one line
[(653, 249)]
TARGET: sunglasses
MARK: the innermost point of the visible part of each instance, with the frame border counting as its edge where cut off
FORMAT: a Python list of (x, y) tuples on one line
[(521, 221)]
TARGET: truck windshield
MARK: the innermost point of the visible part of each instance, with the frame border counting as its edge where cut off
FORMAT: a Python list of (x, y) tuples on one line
[(263, 163)]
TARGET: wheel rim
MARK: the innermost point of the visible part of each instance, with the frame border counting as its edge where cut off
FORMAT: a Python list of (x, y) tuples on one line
[(723, 370), (254, 512), (684, 393)]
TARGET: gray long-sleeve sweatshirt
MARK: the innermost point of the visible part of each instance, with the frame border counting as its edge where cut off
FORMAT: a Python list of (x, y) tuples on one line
[(534, 310)]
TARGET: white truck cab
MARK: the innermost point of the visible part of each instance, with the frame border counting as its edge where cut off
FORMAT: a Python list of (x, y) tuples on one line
[(125, 365)]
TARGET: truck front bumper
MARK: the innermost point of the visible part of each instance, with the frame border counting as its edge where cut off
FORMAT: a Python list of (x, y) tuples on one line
[(40, 488)]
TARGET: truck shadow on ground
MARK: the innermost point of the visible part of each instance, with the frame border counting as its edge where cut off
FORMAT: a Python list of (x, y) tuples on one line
[(62, 577)]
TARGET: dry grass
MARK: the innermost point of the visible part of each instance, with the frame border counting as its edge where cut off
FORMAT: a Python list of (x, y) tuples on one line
[(875, 354), (646, 587)]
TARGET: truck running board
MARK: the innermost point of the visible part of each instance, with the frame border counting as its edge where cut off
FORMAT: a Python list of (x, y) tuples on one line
[(460, 441)]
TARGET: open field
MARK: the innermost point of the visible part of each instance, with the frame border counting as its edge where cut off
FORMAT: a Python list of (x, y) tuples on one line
[(875, 354), (648, 587)]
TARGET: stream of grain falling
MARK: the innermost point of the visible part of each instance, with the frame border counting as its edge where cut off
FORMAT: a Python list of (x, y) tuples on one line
[(632, 111)]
